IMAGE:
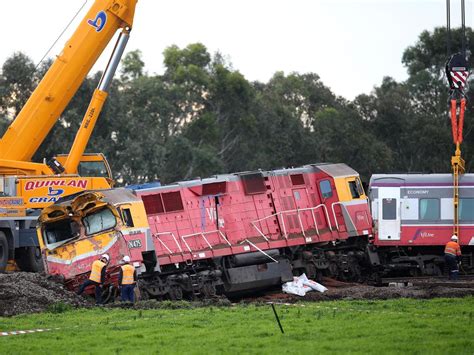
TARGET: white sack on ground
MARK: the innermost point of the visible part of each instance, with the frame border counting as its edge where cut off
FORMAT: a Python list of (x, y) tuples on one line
[(301, 285)]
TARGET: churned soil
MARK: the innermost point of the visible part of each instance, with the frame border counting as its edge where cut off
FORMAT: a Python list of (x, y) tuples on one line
[(30, 293), (340, 291), (22, 292)]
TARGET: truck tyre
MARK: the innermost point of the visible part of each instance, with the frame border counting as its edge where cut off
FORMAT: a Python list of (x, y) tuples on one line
[(29, 259), (3, 251)]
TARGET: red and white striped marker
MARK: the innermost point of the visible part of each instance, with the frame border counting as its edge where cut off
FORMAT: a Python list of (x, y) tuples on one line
[(459, 78), (20, 332)]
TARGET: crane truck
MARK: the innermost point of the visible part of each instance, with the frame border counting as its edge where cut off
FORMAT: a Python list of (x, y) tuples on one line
[(26, 186)]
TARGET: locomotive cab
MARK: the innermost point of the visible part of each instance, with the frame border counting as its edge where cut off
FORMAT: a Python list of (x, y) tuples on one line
[(76, 231)]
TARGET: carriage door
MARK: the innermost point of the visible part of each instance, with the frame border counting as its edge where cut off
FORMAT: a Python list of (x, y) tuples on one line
[(389, 213)]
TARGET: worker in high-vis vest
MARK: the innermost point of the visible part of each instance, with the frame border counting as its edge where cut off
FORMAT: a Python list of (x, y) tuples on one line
[(97, 277), (127, 280), (452, 257)]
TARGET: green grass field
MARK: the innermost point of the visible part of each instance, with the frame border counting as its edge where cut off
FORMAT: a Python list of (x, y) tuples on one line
[(444, 326)]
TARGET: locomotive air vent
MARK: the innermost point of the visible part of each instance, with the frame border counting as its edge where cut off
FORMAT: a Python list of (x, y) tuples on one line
[(297, 179), (253, 183)]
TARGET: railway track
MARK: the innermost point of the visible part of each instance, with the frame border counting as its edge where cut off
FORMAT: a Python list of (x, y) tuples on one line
[(464, 281)]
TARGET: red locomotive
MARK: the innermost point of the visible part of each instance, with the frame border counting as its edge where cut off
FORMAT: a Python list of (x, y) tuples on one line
[(226, 234)]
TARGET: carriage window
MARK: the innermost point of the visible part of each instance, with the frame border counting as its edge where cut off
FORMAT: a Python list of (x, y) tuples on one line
[(466, 209), (354, 191), (389, 208), (429, 209), (325, 188)]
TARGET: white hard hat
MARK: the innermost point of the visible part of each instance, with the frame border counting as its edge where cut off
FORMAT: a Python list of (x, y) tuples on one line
[(454, 237), (105, 256), (126, 259)]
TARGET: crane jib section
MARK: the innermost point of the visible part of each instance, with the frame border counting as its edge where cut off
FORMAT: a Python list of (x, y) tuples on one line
[(62, 80)]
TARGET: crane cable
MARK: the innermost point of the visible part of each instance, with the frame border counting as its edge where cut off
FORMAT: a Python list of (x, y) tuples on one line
[(23, 81), (61, 34), (448, 28), (457, 73)]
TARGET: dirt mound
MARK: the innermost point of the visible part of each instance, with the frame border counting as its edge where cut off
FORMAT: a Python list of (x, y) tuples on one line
[(22, 292)]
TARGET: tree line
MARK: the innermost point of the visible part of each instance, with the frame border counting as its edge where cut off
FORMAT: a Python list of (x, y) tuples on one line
[(202, 117)]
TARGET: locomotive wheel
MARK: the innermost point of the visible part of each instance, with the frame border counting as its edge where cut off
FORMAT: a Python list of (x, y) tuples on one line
[(29, 259), (319, 276), (175, 293), (311, 271), (333, 270), (354, 271), (141, 295), (209, 289), (3, 251)]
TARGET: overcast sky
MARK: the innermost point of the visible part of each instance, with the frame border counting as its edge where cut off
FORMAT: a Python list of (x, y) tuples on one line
[(351, 44)]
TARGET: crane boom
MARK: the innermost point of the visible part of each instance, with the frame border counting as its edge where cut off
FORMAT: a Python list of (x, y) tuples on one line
[(95, 106), (48, 101)]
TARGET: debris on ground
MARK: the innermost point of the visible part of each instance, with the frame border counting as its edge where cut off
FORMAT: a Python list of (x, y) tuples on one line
[(302, 285), (22, 292)]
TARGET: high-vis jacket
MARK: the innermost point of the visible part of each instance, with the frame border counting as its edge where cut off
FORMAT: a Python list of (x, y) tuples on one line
[(97, 271), (452, 248), (127, 275)]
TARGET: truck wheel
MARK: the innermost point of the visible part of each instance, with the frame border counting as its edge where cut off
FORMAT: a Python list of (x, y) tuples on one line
[(29, 259), (3, 251)]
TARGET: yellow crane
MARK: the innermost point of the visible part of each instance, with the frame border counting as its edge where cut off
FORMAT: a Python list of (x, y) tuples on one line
[(26, 186)]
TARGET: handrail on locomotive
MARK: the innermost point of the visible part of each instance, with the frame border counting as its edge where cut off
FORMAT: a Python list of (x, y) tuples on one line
[(297, 211)]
